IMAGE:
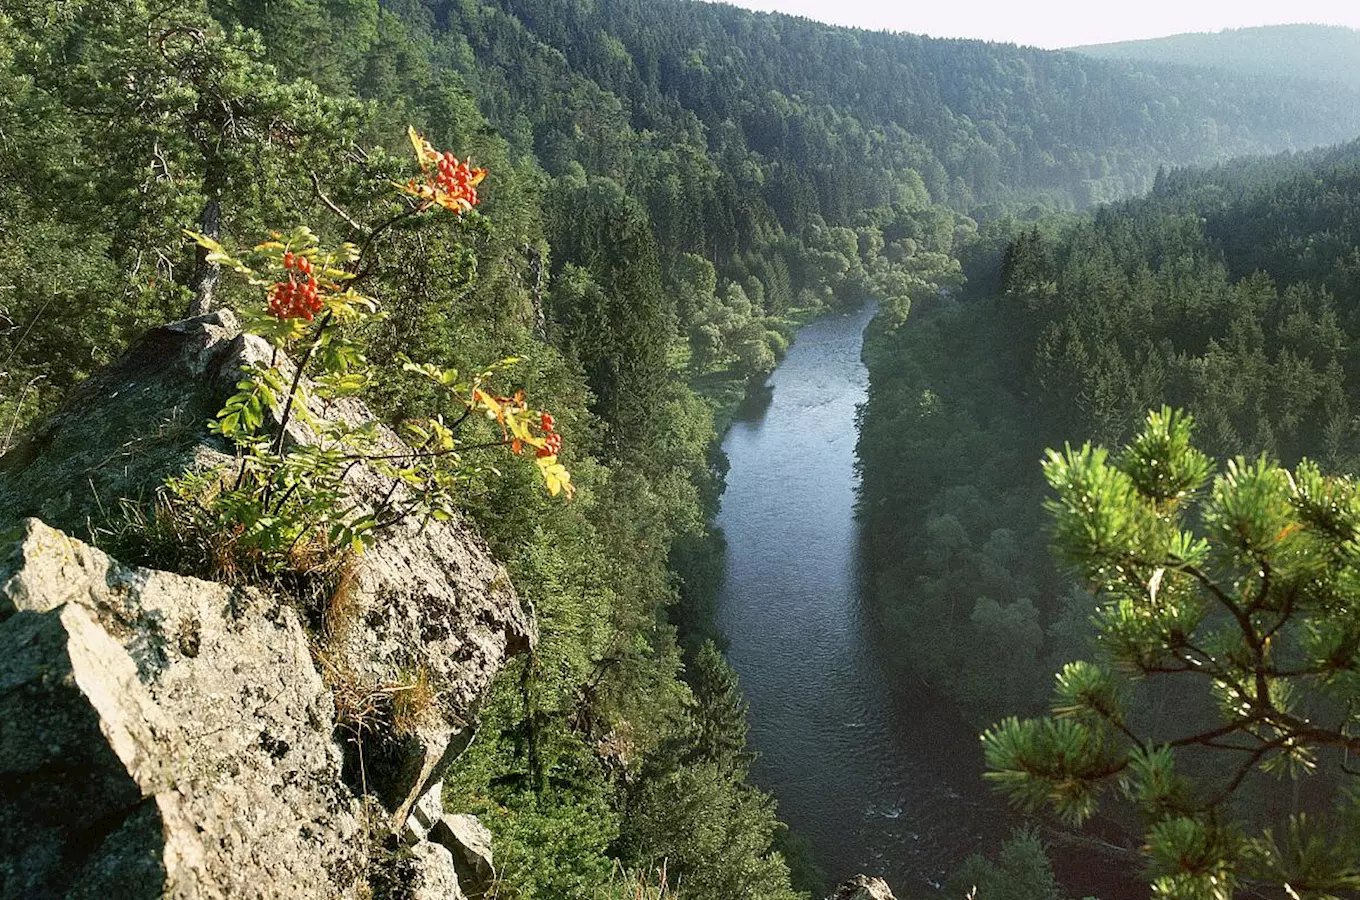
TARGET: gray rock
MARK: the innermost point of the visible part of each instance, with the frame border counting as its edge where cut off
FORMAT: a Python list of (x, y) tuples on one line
[(79, 804), (428, 600), (470, 843), (426, 813), (434, 877), (160, 732), (862, 887)]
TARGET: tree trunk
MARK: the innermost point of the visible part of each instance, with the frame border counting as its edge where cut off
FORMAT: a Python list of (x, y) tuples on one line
[(206, 274)]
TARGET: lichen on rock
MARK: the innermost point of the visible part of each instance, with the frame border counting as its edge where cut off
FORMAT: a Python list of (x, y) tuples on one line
[(200, 769)]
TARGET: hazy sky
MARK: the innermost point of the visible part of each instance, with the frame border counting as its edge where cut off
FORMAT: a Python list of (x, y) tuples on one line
[(1063, 23)]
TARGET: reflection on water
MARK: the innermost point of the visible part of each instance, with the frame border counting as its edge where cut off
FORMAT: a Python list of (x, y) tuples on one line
[(880, 777)]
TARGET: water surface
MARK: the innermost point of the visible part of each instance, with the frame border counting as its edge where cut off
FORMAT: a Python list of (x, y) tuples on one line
[(880, 776)]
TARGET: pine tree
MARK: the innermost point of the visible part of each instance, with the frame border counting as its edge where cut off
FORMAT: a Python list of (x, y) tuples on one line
[(1027, 272), (1246, 589), (719, 713)]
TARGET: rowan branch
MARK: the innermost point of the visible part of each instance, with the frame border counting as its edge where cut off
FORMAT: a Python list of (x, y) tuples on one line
[(335, 207)]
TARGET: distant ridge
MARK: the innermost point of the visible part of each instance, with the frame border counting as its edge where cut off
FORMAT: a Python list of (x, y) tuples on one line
[(1315, 52)]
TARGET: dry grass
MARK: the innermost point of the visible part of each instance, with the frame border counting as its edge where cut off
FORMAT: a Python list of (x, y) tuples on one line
[(626, 884), (177, 532), (415, 701), (364, 710), (343, 604), (164, 534), (359, 708)]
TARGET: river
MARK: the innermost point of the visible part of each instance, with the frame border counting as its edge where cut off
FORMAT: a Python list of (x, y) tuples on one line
[(879, 776)]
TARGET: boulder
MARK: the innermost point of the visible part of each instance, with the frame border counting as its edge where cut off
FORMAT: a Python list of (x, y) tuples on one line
[(862, 887), (433, 876), (160, 736), (470, 843), (425, 601)]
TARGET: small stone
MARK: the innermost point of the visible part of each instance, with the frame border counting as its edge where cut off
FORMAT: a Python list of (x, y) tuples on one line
[(862, 887)]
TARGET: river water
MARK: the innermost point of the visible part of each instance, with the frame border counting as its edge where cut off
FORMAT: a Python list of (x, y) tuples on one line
[(877, 774)]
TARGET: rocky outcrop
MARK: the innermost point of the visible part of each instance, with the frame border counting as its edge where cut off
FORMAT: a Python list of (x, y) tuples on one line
[(161, 732), (164, 730), (427, 601), (862, 887)]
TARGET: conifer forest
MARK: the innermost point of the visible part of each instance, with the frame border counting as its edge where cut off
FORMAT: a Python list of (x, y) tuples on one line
[(512, 270)]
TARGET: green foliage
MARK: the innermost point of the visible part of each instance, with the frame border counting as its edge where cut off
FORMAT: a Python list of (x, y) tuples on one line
[(121, 120), (549, 843), (1222, 293), (1020, 870), (989, 123), (952, 530), (714, 836), (718, 712), (1027, 270), (1055, 761), (676, 186), (288, 492), (296, 112), (615, 318), (1236, 612)]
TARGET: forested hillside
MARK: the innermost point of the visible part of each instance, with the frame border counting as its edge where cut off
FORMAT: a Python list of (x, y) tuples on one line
[(121, 120), (1329, 53), (672, 187), (981, 123), (739, 136), (1230, 292)]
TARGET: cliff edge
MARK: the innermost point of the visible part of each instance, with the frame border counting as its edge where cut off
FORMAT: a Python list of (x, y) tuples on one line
[(165, 736)]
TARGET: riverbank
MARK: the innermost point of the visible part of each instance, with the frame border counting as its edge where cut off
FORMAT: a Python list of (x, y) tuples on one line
[(728, 392)]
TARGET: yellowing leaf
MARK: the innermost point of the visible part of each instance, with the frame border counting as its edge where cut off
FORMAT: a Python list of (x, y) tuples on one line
[(482, 400), (424, 152), (555, 476)]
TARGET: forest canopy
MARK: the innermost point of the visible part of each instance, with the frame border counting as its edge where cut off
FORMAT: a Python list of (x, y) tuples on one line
[(672, 188)]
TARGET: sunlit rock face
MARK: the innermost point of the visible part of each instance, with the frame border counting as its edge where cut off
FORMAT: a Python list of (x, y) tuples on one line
[(182, 734), (161, 734)]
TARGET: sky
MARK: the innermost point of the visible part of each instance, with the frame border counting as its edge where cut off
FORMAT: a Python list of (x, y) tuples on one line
[(1062, 23)]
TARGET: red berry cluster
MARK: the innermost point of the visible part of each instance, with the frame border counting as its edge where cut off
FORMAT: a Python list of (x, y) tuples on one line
[(299, 296), (552, 442), (458, 179)]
